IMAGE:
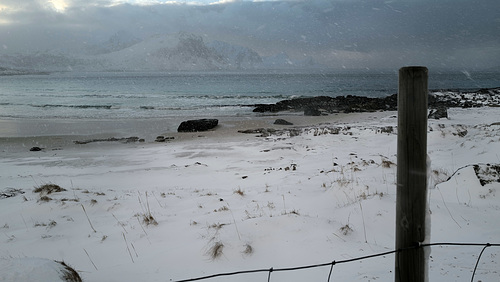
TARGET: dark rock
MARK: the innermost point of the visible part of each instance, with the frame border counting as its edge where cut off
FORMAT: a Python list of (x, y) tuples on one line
[(35, 149), (131, 139), (386, 129), (162, 138), (295, 132), (462, 133), (252, 131), (439, 112), (264, 132), (112, 139), (197, 125), (10, 192), (263, 108), (282, 122), (312, 112)]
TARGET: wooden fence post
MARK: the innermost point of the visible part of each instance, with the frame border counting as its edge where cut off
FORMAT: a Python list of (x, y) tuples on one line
[(411, 199)]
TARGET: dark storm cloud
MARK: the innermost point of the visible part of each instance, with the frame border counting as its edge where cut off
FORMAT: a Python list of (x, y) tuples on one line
[(352, 33)]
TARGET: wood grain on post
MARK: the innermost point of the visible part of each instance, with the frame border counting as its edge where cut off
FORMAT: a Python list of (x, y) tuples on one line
[(410, 265)]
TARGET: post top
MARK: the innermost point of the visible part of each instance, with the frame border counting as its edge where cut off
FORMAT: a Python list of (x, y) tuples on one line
[(413, 68)]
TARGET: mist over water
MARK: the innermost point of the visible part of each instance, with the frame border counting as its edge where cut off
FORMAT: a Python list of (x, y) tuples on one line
[(126, 95)]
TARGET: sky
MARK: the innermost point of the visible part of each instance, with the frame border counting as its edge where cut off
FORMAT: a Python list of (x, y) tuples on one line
[(462, 34)]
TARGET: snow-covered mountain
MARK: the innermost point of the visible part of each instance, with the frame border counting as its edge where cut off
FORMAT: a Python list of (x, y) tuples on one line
[(124, 52), (118, 41), (238, 57)]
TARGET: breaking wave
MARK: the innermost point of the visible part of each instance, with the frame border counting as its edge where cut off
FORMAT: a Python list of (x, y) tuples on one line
[(106, 107)]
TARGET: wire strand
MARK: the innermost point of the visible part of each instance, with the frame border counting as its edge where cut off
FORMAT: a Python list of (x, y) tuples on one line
[(477, 262), (331, 270), (269, 275), (331, 264)]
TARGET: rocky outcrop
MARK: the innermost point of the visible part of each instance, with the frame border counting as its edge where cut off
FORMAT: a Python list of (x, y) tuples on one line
[(312, 111), (325, 104), (465, 99), (437, 99), (197, 125), (487, 173)]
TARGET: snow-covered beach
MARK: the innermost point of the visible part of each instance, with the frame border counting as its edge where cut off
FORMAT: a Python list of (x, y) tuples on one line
[(102, 180), (223, 201)]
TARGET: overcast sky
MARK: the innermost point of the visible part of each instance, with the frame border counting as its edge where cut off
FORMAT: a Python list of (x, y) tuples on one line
[(460, 34)]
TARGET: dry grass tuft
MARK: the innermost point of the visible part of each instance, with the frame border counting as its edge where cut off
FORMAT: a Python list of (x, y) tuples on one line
[(216, 250), (295, 212), (49, 225), (221, 209), (45, 199), (346, 229), (217, 226), (47, 189), (248, 250), (70, 200), (148, 219), (69, 274), (239, 192), (387, 164)]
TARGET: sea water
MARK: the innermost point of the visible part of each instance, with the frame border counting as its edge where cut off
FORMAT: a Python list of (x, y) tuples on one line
[(131, 95)]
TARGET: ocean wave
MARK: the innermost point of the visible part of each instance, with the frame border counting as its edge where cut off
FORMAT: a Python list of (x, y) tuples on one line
[(236, 97), (106, 107), (193, 107), (115, 96), (79, 95), (171, 96)]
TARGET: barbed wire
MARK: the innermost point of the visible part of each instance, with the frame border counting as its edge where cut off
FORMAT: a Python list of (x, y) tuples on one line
[(335, 262)]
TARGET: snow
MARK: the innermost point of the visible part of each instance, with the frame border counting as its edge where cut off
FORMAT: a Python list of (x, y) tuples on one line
[(39, 269), (278, 201)]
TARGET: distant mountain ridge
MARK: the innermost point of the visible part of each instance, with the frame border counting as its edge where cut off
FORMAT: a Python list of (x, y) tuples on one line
[(180, 52), (238, 56), (118, 41)]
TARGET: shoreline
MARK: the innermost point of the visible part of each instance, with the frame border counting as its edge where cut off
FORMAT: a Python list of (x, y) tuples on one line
[(21, 135)]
